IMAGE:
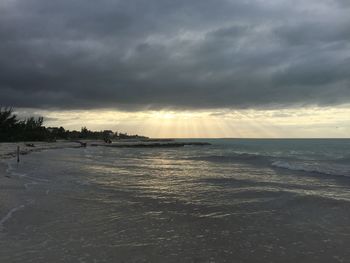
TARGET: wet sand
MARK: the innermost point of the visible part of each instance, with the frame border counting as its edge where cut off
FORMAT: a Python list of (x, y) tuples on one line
[(9, 150), (12, 193)]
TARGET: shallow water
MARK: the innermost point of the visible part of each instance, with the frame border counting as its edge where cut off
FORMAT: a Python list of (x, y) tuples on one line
[(237, 200)]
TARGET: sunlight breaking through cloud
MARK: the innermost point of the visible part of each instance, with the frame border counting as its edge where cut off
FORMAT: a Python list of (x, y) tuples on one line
[(303, 122)]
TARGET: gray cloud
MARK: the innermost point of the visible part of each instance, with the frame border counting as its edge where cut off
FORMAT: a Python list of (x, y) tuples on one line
[(175, 54)]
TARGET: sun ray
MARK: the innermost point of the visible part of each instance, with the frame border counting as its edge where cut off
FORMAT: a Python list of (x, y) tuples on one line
[(309, 122)]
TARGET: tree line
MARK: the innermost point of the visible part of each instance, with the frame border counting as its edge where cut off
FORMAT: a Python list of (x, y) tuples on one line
[(31, 129)]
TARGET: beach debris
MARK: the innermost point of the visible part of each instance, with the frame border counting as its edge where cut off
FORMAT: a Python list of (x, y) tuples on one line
[(82, 144), (107, 140)]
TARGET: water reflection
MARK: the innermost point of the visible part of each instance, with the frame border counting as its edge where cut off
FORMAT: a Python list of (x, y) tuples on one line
[(162, 205)]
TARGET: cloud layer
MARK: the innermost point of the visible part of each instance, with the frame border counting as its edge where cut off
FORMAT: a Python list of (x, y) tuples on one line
[(174, 54)]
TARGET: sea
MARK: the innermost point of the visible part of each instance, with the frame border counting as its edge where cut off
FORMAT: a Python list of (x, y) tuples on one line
[(236, 200)]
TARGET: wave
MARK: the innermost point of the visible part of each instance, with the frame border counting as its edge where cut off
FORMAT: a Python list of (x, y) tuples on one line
[(232, 158), (321, 168), (333, 167), (9, 215), (343, 160), (11, 170), (28, 180)]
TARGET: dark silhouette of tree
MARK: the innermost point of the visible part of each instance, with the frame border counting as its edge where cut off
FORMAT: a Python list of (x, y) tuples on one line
[(11, 129), (8, 123), (7, 118), (32, 129), (84, 133)]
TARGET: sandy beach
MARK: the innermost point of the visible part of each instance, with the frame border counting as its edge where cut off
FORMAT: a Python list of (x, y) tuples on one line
[(8, 150)]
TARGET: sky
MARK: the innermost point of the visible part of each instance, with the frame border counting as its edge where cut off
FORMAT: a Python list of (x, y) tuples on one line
[(176, 68)]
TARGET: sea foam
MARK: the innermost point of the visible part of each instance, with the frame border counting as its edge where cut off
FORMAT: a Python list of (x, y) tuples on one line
[(9, 215)]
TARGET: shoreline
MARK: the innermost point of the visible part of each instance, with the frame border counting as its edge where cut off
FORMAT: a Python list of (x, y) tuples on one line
[(13, 190), (8, 150), (150, 144), (12, 195), (162, 205)]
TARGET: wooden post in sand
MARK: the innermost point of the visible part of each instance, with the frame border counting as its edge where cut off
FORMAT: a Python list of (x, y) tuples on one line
[(17, 154)]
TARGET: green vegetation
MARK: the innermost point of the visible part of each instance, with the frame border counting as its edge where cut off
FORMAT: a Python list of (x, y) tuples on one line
[(31, 129)]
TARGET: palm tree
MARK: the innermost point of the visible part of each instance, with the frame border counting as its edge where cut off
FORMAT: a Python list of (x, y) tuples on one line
[(8, 124), (7, 119)]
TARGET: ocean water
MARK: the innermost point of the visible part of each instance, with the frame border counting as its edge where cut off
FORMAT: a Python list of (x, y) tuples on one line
[(234, 201)]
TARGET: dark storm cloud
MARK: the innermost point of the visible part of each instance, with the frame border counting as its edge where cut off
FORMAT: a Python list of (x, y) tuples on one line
[(181, 54)]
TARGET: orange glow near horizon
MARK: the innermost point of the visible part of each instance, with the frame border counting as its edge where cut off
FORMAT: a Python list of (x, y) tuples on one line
[(221, 123)]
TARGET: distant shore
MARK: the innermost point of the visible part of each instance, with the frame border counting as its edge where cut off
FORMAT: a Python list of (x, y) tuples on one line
[(9, 149)]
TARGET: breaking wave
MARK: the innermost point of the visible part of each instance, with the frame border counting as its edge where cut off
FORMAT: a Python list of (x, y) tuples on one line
[(333, 167), (315, 167)]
